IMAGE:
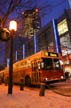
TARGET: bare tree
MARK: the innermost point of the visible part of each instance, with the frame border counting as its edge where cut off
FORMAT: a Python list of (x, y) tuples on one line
[(11, 6)]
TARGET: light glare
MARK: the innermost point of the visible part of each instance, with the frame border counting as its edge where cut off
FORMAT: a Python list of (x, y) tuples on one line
[(13, 25)]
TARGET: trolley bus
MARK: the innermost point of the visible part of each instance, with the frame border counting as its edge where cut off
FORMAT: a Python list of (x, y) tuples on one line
[(34, 69)]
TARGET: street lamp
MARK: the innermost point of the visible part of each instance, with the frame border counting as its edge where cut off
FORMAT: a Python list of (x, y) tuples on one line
[(12, 28)]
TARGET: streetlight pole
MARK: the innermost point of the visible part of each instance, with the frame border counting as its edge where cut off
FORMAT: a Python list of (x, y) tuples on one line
[(10, 83), (13, 26)]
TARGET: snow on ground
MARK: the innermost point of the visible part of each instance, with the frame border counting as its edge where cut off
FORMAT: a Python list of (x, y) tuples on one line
[(29, 98)]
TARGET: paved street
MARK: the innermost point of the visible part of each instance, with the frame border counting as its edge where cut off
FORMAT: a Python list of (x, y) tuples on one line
[(29, 97)]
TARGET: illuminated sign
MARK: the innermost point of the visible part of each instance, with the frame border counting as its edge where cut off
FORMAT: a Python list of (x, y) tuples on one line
[(51, 54), (62, 27), (46, 53)]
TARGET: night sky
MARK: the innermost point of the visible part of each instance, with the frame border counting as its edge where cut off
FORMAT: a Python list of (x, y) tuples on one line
[(48, 9), (52, 9)]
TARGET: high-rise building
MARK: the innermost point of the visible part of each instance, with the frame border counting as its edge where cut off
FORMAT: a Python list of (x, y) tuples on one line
[(31, 26), (64, 33), (31, 22)]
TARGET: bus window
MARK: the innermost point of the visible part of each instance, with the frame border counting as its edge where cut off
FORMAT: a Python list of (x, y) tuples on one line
[(47, 64), (34, 65), (56, 64), (38, 65), (42, 65)]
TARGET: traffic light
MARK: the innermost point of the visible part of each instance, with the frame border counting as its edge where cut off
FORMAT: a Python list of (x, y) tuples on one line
[(4, 34)]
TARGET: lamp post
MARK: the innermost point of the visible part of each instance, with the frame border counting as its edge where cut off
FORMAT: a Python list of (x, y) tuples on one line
[(12, 28)]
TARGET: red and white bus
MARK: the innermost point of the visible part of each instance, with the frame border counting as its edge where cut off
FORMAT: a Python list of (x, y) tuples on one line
[(37, 67)]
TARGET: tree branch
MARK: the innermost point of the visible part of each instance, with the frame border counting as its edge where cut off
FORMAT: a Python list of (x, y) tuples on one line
[(12, 5)]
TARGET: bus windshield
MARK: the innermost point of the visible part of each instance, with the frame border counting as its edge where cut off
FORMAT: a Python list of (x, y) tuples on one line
[(56, 64), (49, 63)]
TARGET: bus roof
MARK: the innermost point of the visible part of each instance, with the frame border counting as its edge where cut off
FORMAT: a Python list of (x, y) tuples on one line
[(37, 56)]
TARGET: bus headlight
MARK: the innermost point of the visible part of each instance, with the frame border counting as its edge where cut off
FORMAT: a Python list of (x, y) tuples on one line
[(62, 77), (46, 79)]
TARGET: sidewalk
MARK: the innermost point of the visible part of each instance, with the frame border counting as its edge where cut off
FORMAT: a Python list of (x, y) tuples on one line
[(63, 88), (29, 98)]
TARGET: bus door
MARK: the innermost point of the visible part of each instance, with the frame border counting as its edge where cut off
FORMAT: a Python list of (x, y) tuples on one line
[(35, 72)]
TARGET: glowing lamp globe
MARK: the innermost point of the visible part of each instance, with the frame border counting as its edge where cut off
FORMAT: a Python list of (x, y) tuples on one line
[(13, 25)]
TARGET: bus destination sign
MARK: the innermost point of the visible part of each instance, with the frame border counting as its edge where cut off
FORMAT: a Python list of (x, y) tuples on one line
[(51, 54)]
